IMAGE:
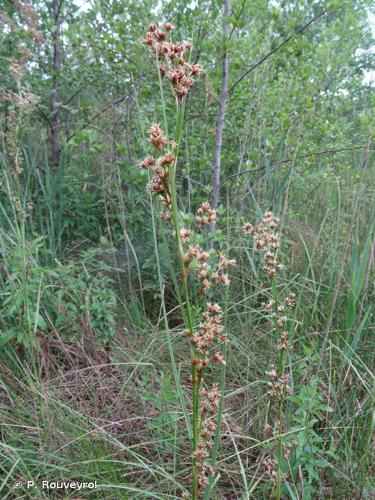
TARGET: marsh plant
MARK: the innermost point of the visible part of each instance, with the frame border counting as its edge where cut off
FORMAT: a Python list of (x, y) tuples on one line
[(200, 270), (266, 241)]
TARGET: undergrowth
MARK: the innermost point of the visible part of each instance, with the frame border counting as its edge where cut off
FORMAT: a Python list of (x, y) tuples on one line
[(123, 362)]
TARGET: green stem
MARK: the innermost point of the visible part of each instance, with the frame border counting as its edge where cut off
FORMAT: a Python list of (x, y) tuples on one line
[(187, 315), (196, 380), (281, 371)]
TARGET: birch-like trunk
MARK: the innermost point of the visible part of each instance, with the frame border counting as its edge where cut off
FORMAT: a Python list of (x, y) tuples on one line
[(221, 118)]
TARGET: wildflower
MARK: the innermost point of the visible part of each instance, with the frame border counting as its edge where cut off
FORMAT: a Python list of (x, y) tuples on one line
[(248, 228), (202, 256), (165, 216), (284, 342), (169, 26), (205, 285), (281, 321), (269, 306), (167, 159), (175, 75), (206, 336), (271, 467), (225, 262), (224, 279), (181, 91), (155, 186), (196, 69), (156, 136), (192, 253), (272, 374), (147, 162), (210, 427), (167, 200), (202, 274), (219, 358), (214, 277), (201, 453), (290, 300), (185, 234), (266, 240), (271, 272), (214, 308), (205, 214), (213, 395), (178, 71), (280, 388)]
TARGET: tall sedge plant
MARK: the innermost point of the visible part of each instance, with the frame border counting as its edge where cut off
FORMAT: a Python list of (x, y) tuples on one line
[(200, 271), (267, 241)]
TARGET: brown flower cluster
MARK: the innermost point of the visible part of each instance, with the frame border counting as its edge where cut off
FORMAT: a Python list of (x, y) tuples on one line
[(270, 466), (277, 313), (279, 386), (209, 403), (172, 63), (207, 274), (209, 335), (205, 214), (22, 100), (160, 165), (266, 240), (210, 331)]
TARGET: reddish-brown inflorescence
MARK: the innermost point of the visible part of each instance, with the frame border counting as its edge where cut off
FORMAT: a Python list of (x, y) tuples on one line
[(209, 403), (159, 165), (266, 240), (208, 336), (205, 214), (170, 56)]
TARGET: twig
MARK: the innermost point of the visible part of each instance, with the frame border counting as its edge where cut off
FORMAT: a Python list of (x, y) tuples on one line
[(289, 160), (284, 42)]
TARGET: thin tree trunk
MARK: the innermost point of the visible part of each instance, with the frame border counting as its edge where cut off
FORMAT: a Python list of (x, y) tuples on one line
[(221, 118), (54, 148)]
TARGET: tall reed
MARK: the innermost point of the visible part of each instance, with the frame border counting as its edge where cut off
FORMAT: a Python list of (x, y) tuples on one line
[(267, 241), (199, 270)]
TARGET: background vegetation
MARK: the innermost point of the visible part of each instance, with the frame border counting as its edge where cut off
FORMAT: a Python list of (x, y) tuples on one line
[(87, 390)]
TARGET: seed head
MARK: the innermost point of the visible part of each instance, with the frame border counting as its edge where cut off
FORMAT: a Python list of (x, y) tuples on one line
[(167, 159), (196, 69), (219, 358), (169, 26), (185, 234), (147, 162), (290, 300), (157, 137), (224, 279)]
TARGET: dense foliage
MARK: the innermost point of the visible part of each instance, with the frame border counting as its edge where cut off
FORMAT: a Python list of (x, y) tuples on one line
[(94, 362)]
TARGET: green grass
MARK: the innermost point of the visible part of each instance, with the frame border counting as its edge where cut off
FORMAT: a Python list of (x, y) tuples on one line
[(122, 412)]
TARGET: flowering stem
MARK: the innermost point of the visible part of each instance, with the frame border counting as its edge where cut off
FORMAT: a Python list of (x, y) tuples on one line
[(281, 371), (187, 313), (180, 73)]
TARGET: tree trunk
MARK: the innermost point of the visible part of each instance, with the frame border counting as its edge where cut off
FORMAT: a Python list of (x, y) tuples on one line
[(221, 118), (54, 148)]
